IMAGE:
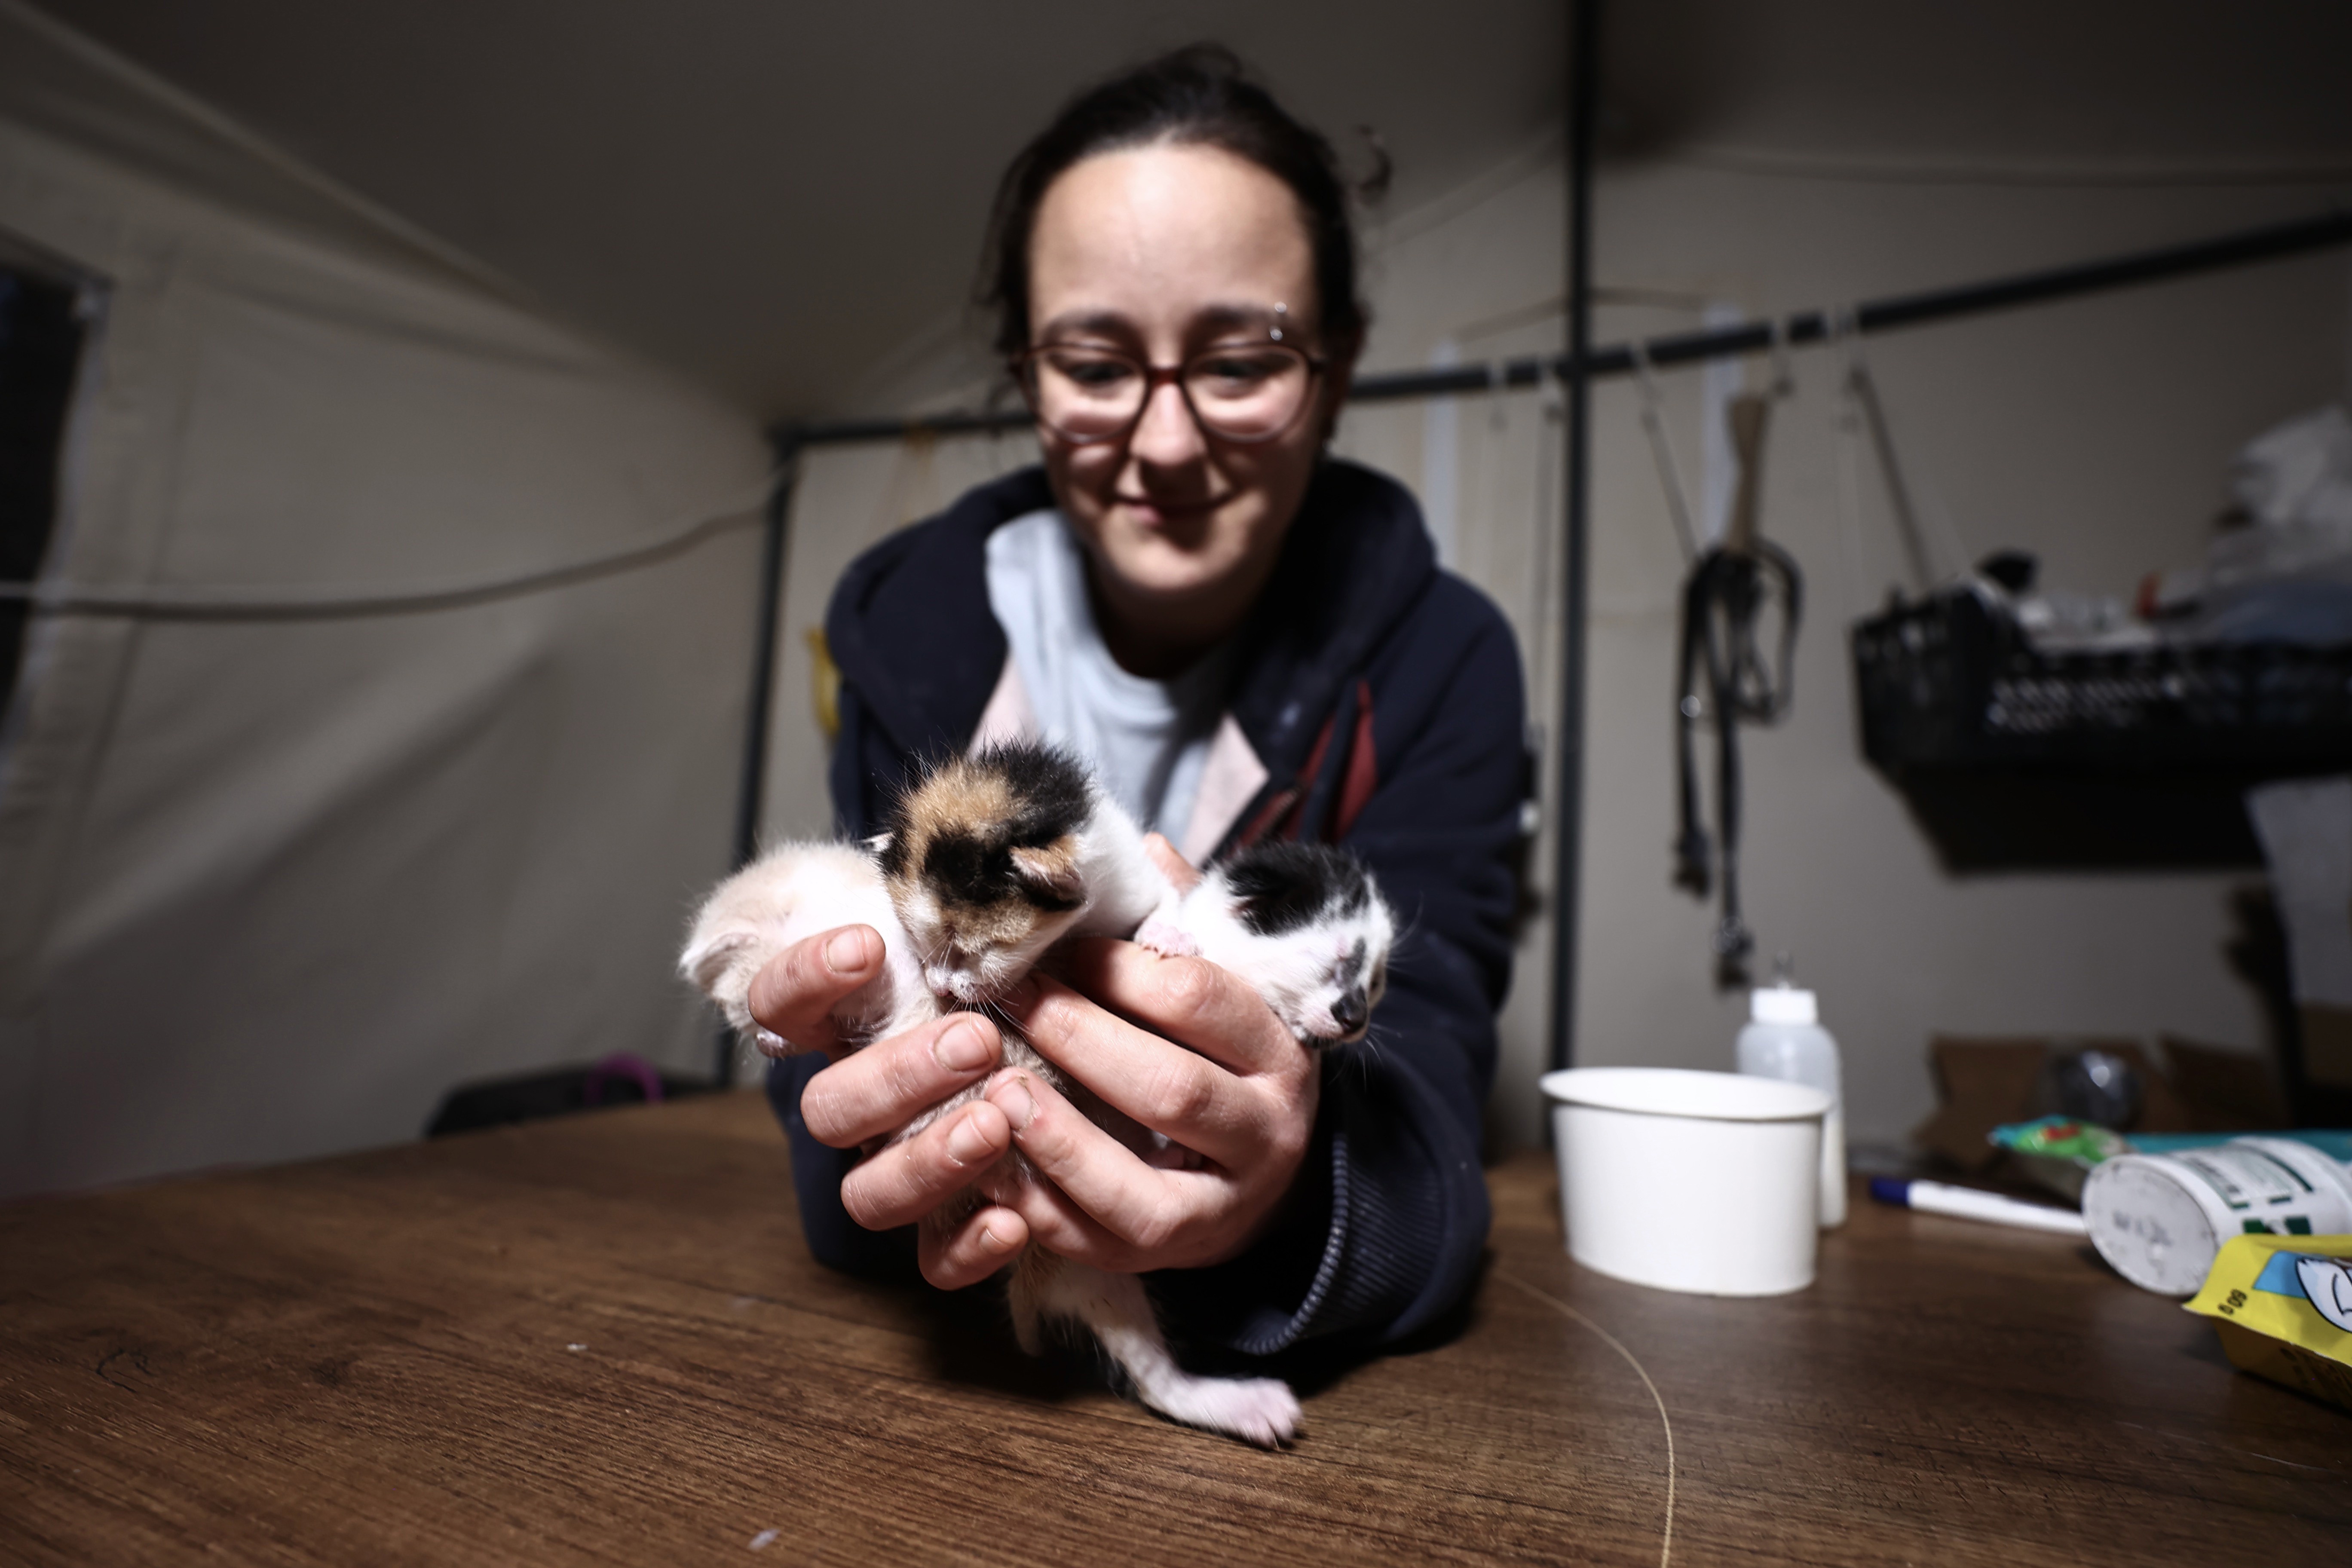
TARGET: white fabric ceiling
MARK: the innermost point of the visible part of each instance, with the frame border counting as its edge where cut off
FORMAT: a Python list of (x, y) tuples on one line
[(772, 198)]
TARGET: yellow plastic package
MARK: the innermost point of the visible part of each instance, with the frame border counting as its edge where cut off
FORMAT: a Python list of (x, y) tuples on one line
[(2282, 1305)]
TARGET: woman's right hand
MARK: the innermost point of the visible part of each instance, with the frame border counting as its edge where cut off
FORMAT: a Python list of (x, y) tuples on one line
[(870, 1092)]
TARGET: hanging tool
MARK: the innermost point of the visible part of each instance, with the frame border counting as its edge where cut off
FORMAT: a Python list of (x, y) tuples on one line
[(1725, 673), (1862, 409), (1662, 450)]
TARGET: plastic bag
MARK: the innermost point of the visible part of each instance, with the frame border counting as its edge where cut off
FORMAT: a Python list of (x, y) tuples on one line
[(2283, 1306)]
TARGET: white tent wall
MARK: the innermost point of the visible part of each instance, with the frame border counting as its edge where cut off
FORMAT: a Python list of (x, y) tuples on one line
[(2095, 434), (268, 888)]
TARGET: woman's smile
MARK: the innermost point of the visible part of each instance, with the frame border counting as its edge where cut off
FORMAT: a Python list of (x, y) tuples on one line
[(1166, 511)]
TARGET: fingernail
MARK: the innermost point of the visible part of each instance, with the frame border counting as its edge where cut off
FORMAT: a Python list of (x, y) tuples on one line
[(992, 1242), (1012, 1098), (845, 953), (771, 1043), (963, 1047), (967, 1143)]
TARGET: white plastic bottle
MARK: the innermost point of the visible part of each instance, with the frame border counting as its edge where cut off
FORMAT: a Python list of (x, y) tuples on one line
[(1784, 1040)]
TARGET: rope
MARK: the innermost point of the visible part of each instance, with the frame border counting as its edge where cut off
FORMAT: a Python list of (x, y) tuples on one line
[(1722, 660), (1666, 1541), (1844, 340), (1864, 388), (251, 602)]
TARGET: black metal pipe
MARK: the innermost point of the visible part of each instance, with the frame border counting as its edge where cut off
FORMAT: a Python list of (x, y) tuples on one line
[(1452, 381), (2273, 242), (1568, 748), (753, 785)]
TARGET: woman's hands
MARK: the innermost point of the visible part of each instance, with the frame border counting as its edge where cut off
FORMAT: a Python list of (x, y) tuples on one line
[(867, 1095), (1203, 1062)]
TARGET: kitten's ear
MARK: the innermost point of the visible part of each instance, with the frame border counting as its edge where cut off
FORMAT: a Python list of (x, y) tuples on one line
[(878, 846), (707, 958), (1051, 873)]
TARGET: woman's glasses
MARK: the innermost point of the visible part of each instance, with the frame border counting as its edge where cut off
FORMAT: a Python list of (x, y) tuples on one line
[(1251, 392)]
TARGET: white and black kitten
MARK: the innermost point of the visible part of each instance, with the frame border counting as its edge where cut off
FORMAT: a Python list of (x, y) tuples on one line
[(1303, 924), (989, 861)]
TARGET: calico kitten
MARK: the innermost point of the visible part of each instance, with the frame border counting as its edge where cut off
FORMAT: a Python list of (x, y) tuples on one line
[(993, 858), (792, 893), (987, 862)]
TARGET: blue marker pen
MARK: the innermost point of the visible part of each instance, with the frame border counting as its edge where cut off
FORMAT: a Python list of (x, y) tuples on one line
[(1967, 1203)]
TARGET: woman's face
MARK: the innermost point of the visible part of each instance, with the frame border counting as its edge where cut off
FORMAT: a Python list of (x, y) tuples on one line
[(1160, 253)]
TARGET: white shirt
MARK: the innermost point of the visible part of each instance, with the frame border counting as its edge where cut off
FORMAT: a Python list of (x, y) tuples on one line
[(1147, 740)]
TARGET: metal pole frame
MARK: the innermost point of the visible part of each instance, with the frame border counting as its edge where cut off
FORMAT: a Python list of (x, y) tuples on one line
[(1568, 792), (752, 783)]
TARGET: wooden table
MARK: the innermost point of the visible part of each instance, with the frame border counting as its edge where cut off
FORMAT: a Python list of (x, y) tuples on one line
[(599, 1341)]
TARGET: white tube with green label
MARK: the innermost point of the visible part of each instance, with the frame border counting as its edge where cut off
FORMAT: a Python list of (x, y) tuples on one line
[(2160, 1220)]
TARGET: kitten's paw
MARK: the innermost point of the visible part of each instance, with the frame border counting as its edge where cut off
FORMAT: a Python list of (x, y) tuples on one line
[(1260, 1410), (1167, 939)]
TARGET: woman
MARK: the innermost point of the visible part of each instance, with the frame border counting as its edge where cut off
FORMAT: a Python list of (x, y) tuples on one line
[(1246, 639)]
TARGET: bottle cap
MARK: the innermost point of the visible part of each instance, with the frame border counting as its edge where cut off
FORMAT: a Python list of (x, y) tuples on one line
[(1783, 1004)]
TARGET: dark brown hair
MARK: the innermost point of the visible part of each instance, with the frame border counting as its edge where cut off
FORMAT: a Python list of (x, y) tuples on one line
[(1197, 96)]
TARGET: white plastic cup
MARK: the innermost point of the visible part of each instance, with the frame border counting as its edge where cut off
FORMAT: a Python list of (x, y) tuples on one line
[(1703, 1182), (2160, 1220)]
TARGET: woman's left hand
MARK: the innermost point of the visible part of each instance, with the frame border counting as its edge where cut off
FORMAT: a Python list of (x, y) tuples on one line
[(1203, 1061)]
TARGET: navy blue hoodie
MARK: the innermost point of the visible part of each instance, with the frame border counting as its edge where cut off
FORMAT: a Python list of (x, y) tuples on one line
[(1383, 697)]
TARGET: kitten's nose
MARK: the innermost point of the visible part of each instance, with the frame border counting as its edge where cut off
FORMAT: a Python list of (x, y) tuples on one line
[(1352, 1011)]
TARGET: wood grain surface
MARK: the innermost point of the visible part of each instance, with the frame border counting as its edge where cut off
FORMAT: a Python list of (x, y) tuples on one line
[(600, 1340)]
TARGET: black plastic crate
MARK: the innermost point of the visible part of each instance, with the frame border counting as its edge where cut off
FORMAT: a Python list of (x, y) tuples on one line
[(1951, 682), (620, 1080)]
